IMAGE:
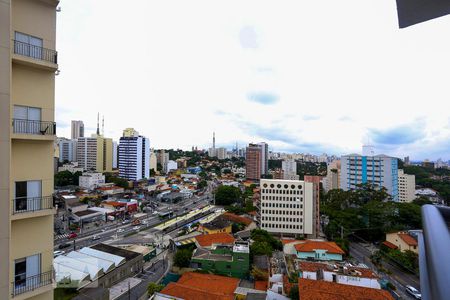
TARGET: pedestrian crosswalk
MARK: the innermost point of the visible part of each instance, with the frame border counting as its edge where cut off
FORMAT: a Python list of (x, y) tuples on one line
[(61, 236)]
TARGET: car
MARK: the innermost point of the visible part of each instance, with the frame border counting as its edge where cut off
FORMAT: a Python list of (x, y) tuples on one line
[(126, 221), (72, 235), (413, 292), (57, 253), (145, 222), (120, 230), (96, 237), (136, 228), (64, 245)]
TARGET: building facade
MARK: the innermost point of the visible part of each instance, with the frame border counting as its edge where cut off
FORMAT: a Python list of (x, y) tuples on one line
[(333, 179), (91, 181), (315, 180), (378, 170), (77, 129), (264, 158), (28, 62), (162, 158), (406, 187), (115, 155), (253, 162), (289, 167), (134, 157), (95, 153), (67, 150), (287, 207)]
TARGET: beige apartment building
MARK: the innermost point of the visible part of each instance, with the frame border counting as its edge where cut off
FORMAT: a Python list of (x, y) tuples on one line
[(28, 62), (333, 180), (406, 187), (95, 153)]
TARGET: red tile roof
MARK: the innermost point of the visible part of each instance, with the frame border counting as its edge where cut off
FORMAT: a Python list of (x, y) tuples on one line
[(261, 285), (288, 241), (408, 239), (389, 245), (307, 266), (194, 286), (311, 246), (324, 290), (207, 240), (237, 219)]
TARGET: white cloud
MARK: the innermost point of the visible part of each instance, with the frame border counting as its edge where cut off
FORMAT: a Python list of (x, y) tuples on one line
[(167, 67)]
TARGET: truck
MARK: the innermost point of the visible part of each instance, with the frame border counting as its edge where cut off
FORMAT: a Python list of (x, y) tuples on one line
[(136, 222)]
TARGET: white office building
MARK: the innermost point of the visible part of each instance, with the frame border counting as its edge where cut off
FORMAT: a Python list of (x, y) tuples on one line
[(286, 207), (92, 180), (134, 157), (379, 171), (406, 187), (171, 165), (67, 150)]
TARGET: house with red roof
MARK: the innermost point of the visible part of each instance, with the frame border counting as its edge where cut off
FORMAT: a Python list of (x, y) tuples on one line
[(318, 250), (209, 241), (402, 241), (324, 290)]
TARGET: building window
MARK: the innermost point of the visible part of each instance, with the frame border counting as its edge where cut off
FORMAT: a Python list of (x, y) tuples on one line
[(28, 45), (27, 119), (27, 195), (27, 267)]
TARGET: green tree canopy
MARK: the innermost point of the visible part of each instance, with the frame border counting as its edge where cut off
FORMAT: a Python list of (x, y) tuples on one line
[(227, 195)]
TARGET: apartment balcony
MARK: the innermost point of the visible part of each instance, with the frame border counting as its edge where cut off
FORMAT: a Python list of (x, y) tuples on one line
[(27, 287), (33, 129), (35, 56), (23, 208)]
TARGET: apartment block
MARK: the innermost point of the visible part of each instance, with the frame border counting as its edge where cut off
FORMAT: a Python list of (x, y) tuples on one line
[(264, 158), (76, 129), (253, 162), (134, 157), (67, 150), (28, 62), (333, 179), (95, 153), (379, 171), (287, 207), (315, 180), (406, 187)]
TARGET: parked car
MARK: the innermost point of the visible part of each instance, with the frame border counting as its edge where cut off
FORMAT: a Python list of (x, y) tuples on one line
[(413, 292), (136, 228), (72, 235), (96, 237), (126, 221), (57, 253), (120, 230), (64, 245)]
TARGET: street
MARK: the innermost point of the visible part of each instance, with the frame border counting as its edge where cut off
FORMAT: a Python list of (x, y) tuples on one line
[(398, 278)]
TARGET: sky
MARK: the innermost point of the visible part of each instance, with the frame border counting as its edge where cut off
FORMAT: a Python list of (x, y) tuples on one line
[(315, 77)]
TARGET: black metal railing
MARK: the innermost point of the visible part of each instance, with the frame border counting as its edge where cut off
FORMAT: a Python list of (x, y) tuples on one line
[(434, 258), (24, 284), (34, 127), (24, 205), (35, 52)]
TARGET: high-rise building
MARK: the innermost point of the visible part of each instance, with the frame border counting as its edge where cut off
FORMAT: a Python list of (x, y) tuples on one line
[(153, 160), (406, 161), (333, 178), (115, 155), (253, 162), (162, 158), (28, 63), (379, 170), (130, 132), (95, 153), (67, 150), (287, 207), (289, 167), (264, 158), (315, 180), (77, 129), (134, 157), (406, 187)]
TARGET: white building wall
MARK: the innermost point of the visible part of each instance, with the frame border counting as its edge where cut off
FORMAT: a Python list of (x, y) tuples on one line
[(287, 206), (134, 158), (171, 165), (115, 153), (91, 180)]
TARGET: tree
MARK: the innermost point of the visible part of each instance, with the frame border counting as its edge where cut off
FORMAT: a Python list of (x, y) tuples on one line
[(202, 184), (152, 172), (182, 258), (259, 274), (293, 293), (422, 201), (261, 248), (227, 195), (154, 288)]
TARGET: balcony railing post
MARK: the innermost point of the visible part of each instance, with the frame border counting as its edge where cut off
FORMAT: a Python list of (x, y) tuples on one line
[(34, 127), (24, 205), (33, 282)]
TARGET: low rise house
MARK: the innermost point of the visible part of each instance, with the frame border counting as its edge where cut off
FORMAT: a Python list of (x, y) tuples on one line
[(324, 290), (71, 167), (111, 190), (318, 250), (217, 225), (402, 241), (223, 259), (195, 286), (91, 181), (209, 241), (343, 274)]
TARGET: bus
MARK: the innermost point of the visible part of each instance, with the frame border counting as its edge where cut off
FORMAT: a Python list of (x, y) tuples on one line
[(165, 215)]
